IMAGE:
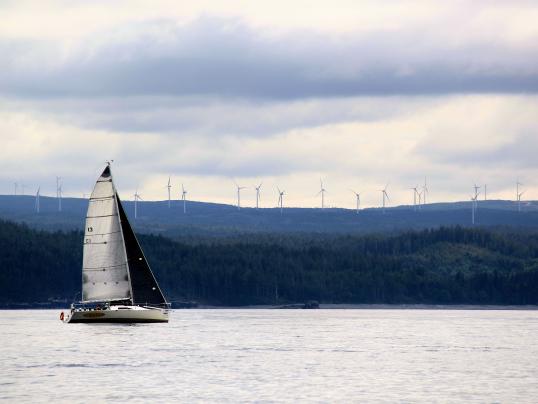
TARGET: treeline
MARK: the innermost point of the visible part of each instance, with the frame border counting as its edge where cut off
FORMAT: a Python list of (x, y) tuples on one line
[(442, 266)]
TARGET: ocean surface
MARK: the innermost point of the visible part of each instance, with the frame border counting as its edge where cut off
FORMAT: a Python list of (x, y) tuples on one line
[(274, 356)]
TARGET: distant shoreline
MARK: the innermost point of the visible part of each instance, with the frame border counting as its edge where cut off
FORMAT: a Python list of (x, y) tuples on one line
[(349, 306), (323, 306), (430, 306)]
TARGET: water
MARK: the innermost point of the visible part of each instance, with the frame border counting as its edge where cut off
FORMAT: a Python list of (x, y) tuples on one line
[(274, 356)]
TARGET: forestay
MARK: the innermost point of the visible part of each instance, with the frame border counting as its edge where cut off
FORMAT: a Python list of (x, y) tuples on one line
[(104, 272)]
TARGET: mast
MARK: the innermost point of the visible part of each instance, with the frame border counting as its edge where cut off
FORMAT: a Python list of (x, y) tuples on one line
[(116, 201)]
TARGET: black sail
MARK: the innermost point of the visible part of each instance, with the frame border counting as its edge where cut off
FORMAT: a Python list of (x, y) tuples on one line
[(144, 286)]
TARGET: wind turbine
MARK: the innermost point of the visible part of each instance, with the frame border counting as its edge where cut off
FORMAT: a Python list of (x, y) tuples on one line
[(322, 192), (238, 195), (415, 193), (518, 195), (485, 192), (16, 185), (258, 194), (37, 199), (23, 187), (476, 192), (358, 200), (385, 196), (280, 199), (425, 190), (519, 200), (183, 198), (59, 193), (474, 199), (136, 199), (169, 187)]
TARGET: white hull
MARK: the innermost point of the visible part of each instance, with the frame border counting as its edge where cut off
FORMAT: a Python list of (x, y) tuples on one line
[(118, 314)]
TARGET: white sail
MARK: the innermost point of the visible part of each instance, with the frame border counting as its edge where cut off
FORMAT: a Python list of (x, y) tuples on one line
[(104, 272)]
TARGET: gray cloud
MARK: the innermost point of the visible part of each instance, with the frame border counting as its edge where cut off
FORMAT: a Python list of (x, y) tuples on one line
[(518, 153), (225, 58), (185, 116)]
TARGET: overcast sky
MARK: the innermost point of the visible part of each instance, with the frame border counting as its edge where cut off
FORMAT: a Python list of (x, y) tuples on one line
[(359, 93)]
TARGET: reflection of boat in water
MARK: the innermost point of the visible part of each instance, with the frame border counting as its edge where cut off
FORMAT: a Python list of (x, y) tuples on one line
[(118, 285)]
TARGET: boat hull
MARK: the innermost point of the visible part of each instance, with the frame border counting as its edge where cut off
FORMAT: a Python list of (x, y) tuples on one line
[(128, 314)]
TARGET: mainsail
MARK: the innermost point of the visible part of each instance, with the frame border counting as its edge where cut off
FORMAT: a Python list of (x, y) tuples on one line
[(104, 270)]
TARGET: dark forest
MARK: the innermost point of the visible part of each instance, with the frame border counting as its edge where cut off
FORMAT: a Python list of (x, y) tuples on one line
[(451, 265)]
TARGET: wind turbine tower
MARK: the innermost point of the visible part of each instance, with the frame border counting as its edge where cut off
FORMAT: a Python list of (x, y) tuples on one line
[(37, 207), (238, 195), (518, 195), (415, 193), (474, 202), (258, 194), (519, 200), (385, 196), (183, 198), (280, 199), (16, 185), (357, 201), (169, 187), (476, 193), (485, 192), (59, 192), (136, 199), (476, 188), (322, 192), (424, 191)]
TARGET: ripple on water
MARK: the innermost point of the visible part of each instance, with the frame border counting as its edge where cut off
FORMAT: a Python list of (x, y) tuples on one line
[(265, 355)]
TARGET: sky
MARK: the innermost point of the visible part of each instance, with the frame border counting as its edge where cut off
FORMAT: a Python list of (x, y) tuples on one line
[(360, 94)]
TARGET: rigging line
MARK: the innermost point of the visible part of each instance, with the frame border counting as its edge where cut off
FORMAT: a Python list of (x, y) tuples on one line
[(97, 242), (100, 234), (102, 198), (93, 217), (101, 268)]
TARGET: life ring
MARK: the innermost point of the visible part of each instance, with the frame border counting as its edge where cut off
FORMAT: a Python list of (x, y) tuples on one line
[(62, 316)]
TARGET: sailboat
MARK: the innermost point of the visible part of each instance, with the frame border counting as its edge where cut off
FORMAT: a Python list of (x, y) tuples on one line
[(118, 285)]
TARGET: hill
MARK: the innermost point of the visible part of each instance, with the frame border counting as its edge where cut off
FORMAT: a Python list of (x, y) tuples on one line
[(217, 220), (442, 266)]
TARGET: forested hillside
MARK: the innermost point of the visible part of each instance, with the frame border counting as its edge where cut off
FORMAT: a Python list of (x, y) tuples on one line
[(446, 265)]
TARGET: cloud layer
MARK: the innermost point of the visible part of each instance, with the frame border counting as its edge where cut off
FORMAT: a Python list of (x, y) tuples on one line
[(224, 57)]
